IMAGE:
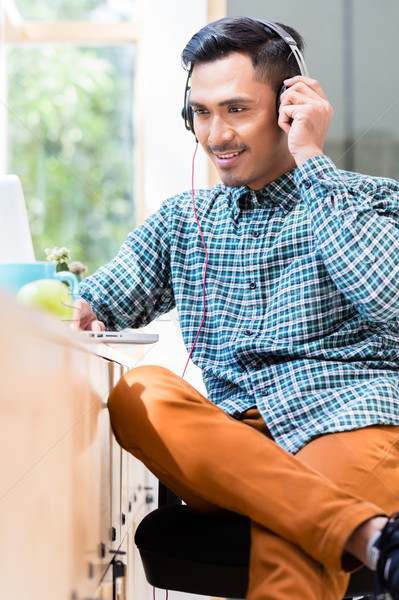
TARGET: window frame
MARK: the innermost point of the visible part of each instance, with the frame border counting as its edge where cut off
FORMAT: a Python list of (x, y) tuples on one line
[(14, 29)]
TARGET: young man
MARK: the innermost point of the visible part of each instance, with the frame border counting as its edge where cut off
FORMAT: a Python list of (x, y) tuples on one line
[(298, 347)]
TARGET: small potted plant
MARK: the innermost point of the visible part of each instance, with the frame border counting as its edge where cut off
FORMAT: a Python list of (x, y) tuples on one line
[(60, 257)]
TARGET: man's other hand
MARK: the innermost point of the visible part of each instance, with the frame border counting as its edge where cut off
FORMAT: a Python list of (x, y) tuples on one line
[(84, 318)]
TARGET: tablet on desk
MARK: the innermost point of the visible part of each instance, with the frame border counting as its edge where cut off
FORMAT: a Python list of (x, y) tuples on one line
[(125, 336)]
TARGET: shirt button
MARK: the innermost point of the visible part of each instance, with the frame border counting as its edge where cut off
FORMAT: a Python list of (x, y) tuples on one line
[(255, 234), (248, 332), (307, 184), (252, 285)]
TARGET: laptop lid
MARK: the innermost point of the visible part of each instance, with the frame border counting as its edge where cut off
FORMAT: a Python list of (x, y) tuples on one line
[(15, 237)]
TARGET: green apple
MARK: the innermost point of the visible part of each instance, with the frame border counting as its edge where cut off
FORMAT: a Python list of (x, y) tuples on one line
[(48, 294)]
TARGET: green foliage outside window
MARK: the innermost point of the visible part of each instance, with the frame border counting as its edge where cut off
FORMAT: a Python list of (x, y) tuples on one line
[(70, 132)]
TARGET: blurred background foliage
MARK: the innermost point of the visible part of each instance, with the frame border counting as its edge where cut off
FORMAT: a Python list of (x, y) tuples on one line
[(71, 141)]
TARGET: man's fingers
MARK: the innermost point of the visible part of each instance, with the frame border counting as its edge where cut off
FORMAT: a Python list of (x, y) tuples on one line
[(304, 83), (84, 318), (77, 313), (97, 326)]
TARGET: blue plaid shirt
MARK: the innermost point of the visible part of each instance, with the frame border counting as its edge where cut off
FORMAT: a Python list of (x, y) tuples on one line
[(302, 296)]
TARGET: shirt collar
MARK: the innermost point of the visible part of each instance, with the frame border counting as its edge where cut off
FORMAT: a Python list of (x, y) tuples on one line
[(282, 192)]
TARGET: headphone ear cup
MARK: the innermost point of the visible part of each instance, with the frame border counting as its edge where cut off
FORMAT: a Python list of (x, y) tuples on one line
[(190, 118), (278, 99), (189, 113)]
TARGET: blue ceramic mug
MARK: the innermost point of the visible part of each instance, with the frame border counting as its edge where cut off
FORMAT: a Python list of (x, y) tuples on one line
[(14, 275)]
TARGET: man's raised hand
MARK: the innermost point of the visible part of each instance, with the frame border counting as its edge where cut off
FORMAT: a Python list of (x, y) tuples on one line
[(305, 115)]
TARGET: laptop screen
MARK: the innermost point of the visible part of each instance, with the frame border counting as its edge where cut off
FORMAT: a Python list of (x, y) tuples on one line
[(15, 237)]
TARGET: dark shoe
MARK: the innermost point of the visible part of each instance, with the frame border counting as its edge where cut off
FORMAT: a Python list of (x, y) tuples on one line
[(388, 562)]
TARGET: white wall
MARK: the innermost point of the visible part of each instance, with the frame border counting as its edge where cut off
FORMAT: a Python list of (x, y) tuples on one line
[(3, 93), (168, 146)]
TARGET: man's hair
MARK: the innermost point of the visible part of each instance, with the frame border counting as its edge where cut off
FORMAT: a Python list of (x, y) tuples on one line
[(271, 56)]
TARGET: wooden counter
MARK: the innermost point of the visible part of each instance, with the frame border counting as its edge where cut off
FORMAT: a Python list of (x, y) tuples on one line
[(69, 495)]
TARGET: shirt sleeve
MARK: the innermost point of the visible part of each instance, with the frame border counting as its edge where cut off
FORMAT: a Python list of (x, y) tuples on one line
[(135, 287), (355, 220)]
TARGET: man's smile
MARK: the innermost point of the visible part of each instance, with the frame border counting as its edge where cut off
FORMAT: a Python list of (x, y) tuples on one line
[(226, 157)]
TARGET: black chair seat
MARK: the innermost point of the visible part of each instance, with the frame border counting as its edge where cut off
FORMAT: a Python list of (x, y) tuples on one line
[(189, 552), (185, 551)]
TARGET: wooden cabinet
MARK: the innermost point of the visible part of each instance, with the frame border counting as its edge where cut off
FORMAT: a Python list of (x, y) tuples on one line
[(69, 496)]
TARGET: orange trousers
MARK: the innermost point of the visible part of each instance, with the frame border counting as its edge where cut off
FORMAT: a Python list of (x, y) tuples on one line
[(302, 508)]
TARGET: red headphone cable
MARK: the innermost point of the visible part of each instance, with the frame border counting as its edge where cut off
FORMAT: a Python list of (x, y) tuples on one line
[(154, 592), (206, 261), (203, 290)]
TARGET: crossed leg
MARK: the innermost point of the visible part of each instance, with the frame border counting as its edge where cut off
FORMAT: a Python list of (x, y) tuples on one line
[(212, 460), (362, 462)]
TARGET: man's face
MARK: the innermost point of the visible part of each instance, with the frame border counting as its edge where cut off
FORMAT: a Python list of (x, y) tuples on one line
[(235, 122)]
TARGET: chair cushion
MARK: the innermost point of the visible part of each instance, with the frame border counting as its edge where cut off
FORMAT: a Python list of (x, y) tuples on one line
[(183, 533), (200, 554), (185, 551)]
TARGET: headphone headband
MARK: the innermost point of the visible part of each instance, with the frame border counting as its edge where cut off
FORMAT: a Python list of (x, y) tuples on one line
[(291, 42), (187, 111)]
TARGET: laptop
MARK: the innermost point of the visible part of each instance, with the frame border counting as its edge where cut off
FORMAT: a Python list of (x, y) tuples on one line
[(16, 246), (15, 237), (125, 336)]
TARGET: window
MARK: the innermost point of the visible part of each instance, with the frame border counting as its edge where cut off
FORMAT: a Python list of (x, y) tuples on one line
[(71, 131), (107, 11)]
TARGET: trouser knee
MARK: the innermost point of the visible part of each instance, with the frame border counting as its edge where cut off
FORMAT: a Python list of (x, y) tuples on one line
[(129, 399)]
